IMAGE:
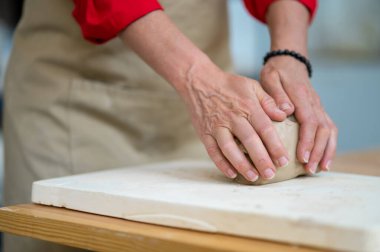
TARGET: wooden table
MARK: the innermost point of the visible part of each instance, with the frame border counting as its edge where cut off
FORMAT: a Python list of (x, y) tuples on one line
[(363, 162), (101, 233)]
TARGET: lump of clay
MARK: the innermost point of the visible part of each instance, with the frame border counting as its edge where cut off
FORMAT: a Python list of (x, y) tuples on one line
[(288, 132)]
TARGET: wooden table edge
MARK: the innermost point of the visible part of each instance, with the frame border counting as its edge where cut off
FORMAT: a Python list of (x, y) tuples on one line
[(103, 233)]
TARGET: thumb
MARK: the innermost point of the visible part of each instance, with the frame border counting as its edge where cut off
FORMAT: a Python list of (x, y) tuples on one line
[(269, 105), (272, 84)]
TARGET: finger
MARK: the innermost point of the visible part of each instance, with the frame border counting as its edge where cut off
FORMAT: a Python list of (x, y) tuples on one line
[(235, 156), (331, 146), (324, 131), (307, 119), (269, 106), (268, 135), (271, 83), (307, 133), (217, 157), (243, 130), (321, 140)]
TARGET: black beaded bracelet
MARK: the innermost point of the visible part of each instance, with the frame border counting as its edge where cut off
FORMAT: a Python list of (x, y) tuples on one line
[(293, 54)]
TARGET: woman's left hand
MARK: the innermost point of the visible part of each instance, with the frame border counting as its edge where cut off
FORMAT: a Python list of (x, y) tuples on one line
[(286, 80)]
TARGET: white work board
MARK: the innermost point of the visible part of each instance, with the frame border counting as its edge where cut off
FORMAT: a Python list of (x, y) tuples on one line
[(329, 210)]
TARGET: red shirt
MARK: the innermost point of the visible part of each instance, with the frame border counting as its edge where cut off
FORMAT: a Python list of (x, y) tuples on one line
[(102, 20)]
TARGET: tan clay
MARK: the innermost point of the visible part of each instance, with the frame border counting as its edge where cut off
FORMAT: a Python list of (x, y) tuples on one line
[(288, 132)]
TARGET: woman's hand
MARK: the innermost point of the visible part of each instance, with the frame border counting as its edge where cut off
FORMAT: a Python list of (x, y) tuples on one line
[(224, 106), (286, 80)]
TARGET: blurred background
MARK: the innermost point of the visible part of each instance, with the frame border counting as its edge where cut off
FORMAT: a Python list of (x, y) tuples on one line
[(344, 50)]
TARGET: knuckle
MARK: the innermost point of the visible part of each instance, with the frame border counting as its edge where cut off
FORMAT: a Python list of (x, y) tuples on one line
[(306, 115), (302, 90), (228, 146), (277, 151), (212, 131), (268, 73), (317, 154), (307, 142), (273, 73), (312, 121), (263, 163), (241, 166), (267, 101), (249, 139), (221, 164), (251, 119), (282, 98), (265, 129), (228, 116), (212, 150), (325, 130), (309, 121)]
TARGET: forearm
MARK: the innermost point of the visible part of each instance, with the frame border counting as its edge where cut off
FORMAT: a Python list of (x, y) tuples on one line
[(221, 105), (166, 49), (288, 23)]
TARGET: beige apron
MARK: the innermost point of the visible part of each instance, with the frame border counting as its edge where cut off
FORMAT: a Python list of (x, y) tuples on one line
[(74, 107)]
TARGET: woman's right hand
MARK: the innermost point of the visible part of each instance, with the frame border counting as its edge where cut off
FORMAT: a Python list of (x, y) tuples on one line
[(224, 106)]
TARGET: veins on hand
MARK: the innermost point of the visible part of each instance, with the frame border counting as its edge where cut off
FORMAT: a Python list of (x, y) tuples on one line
[(214, 108)]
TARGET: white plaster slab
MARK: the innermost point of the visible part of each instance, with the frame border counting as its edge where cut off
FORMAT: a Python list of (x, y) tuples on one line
[(331, 210)]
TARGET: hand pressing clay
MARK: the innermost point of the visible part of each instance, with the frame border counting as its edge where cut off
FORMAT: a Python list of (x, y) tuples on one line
[(288, 132)]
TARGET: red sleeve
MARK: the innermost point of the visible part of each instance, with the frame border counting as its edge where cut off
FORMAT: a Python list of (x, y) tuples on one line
[(102, 20), (258, 8)]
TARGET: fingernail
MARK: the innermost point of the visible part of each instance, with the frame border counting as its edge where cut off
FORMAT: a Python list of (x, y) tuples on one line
[(269, 173), (306, 156), (252, 176), (313, 168), (285, 106), (328, 165), (280, 111), (283, 161), (231, 173)]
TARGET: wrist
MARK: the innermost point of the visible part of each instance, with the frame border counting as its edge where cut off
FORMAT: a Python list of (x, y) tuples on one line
[(291, 54), (202, 71), (288, 23), (290, 45), (187, 68)]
